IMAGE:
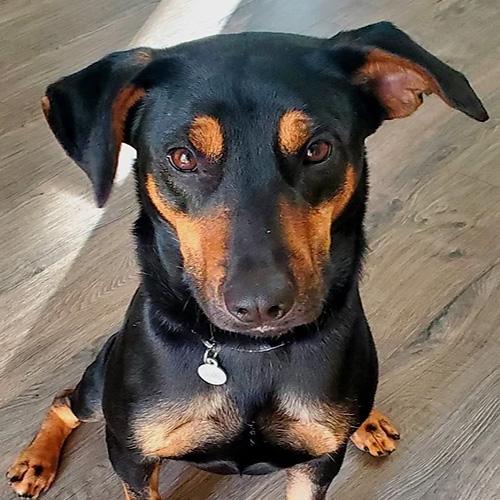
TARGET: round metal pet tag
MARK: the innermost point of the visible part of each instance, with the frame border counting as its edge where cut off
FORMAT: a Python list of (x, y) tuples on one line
[(212, 373)]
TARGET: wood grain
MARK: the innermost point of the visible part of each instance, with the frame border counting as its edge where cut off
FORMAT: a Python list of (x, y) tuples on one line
[(432, 280)]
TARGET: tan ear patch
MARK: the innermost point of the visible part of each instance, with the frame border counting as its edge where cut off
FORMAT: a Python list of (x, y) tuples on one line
[(294, 129), (121, 105), (207, 137), (203, 240), (399, 84), (307, 233)]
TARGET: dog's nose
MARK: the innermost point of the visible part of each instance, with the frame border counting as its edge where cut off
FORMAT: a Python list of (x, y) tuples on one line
[(260, 304)]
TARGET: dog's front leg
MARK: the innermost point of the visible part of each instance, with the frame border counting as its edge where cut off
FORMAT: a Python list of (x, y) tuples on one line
[(139, 474), (34, 470), (377, 435), (310, 481)]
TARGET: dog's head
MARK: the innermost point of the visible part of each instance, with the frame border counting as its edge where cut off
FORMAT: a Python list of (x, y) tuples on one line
[(251, 155)]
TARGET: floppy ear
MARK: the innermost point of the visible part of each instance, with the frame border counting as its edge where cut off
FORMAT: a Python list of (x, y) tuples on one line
[(387, 63), (87, 112)]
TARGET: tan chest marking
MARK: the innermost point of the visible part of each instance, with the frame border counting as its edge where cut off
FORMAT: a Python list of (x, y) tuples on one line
[(312, 426), (174, 429)]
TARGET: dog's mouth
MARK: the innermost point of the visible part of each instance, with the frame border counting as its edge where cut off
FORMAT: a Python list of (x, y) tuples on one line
[(297, 317), (306, 307)]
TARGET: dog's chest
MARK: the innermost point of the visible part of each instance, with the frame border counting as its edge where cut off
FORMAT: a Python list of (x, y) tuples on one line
[(214, 421)]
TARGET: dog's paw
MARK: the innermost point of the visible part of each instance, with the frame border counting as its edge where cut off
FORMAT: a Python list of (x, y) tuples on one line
[(377, 435), (32, 473)]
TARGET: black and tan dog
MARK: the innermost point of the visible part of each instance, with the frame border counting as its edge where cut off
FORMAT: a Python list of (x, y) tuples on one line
[(245, 349)]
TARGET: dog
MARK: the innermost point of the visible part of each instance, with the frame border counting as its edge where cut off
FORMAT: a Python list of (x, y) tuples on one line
[(245, 349)]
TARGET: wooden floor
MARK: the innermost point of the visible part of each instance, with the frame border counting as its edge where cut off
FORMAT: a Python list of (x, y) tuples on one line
[(432, 283)]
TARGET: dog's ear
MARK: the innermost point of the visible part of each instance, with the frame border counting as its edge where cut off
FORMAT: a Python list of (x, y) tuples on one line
[(87, 112), (387, 63)]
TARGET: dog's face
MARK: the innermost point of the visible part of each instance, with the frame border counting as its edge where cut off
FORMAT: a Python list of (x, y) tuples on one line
[(249, 169), (250, 154)]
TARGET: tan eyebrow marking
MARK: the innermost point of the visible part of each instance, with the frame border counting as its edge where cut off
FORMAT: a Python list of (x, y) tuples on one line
[(207, 137), (294, 129)]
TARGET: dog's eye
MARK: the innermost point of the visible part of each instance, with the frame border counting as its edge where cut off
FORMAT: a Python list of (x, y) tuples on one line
[(317, 152), (182, 159)]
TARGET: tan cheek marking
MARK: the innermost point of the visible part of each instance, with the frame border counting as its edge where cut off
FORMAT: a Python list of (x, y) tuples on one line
[(307, 233), (397, 82), (294, 130), (203, 240), (178, 429), (340, 200), (206, 136)]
